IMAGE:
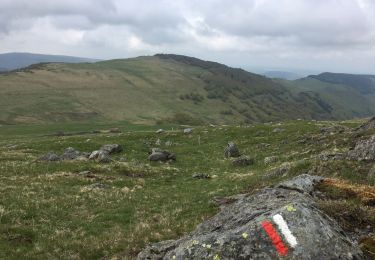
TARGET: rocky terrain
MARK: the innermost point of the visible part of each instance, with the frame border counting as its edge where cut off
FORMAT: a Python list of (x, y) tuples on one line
[(295, 190)]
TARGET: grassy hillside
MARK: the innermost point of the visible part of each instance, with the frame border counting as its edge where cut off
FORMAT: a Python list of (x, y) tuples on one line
[(347, 99), (52, 210), (17, 60), (167, 88)]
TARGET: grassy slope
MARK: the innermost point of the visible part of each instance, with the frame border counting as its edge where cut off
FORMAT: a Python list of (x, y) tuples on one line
[(345, 101), (146, 89), (48, 210)]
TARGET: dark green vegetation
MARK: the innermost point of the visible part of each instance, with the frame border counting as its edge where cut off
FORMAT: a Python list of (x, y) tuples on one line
[(17, 60), (49, 210), (154, 89)]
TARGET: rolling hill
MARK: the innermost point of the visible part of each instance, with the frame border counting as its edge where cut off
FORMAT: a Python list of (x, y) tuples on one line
[(165, 88), (349, 95), (17, 60)]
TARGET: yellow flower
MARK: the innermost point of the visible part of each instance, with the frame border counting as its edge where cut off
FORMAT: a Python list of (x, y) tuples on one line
[(245, 235), (290, 208), (216, 257), (208, 246), (195, 242), (174, 257)]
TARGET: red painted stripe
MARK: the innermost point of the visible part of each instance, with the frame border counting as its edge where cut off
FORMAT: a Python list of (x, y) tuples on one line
[(275, 238)]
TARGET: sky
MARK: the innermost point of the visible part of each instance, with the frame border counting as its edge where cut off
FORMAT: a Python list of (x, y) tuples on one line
[(292, 35)]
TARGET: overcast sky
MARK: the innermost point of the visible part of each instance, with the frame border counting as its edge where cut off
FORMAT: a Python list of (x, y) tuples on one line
[(318, 35)]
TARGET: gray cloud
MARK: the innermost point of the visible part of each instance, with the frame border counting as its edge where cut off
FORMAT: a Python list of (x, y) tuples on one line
[(319, 34)]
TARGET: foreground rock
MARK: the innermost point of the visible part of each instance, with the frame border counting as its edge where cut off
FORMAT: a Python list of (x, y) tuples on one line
[(275, 223), (364, 150), (231, 150)]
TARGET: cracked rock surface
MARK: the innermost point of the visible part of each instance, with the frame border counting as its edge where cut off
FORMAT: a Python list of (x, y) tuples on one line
[(236, 232)]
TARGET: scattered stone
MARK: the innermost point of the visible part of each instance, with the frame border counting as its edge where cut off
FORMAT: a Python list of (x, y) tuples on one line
[(159, 131), (50, 157), (335, 129), (201, 176), (238, 231), (271, 159), (301, 183), (87, 174), (99, 186), (70, 154), (160, 155), (115, 130), (103, 157), (157, 142), (243, 161), (168, 143), (364, 150), (330, 156), (188, 131), (231, 150), (111, 148)]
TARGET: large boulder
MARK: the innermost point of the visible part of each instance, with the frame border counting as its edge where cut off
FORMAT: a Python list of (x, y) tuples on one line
[(231, 150), (275, 223), (364, 150)]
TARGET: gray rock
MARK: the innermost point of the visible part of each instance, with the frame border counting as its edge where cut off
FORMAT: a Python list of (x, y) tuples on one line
[(368, 125), (94, 155), (160, 155), (231, 150), (188, 130), (364, 150), (101, 156), (243, 161), (111, 148), (236, 232), (270, 159), (201, 176), (70, 154), (159, 131), (301, 183), (330, 156), (50, 157)]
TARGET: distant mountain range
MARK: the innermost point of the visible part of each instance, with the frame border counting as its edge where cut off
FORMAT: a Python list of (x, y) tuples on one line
[(17, 60), (175, 88)]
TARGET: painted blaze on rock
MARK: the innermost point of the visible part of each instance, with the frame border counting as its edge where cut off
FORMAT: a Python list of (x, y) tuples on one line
[(275, 223)]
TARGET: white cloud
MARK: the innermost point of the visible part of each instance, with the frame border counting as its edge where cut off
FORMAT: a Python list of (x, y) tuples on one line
[(320, 34)]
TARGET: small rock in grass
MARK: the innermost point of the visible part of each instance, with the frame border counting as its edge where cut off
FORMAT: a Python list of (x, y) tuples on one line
[(243, 161)]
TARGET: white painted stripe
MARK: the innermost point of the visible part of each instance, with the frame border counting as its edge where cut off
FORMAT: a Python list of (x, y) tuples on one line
[(283, 226)]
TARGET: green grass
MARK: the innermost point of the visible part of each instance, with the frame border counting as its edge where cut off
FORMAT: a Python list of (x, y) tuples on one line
[(149, 89), (48, 210)]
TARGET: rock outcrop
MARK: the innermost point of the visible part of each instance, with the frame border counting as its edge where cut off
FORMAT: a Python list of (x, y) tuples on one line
[(364, 150), (275, 223)]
